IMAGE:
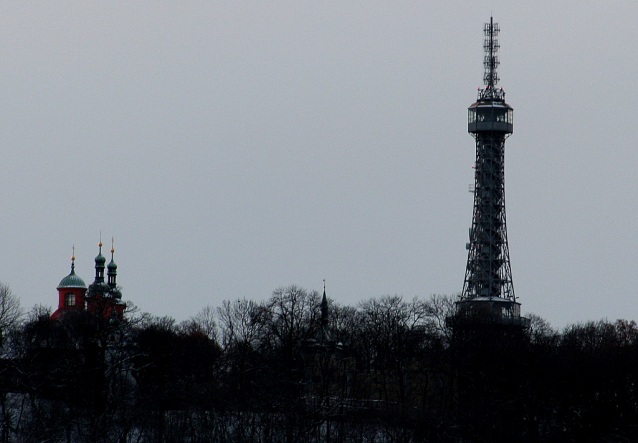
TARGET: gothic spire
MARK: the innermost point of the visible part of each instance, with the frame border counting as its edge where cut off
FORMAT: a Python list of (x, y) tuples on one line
[(324, 307)]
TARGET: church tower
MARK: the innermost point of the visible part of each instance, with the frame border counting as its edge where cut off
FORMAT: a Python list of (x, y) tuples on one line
[(71, 292), (104, 298)]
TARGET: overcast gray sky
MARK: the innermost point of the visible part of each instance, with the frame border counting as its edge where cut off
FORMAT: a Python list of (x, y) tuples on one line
[(235, 147)]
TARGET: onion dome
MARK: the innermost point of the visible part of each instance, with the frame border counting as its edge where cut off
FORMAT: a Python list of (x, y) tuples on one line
[(112, 273), (112, 267), (100, 260), (99, 286), (72, 280)]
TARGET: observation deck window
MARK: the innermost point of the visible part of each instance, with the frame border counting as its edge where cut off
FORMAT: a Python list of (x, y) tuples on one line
[(471, 115)]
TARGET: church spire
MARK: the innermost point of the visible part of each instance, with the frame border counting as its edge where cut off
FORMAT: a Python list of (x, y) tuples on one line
[(112, 269), (73, 262), (324, 307), (100, 261)]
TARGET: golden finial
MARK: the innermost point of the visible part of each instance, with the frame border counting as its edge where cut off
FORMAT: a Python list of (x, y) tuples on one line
[(112, 246)]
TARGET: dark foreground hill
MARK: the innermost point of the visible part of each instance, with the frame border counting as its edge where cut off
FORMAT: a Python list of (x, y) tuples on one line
[(284, 370)]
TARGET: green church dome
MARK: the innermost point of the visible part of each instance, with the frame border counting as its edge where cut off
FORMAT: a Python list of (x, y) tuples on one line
[(100, 260), (72, 281)]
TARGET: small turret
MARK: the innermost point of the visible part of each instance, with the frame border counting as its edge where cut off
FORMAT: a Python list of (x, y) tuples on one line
[(112, 276), (112, 270), (99, 287), (100, 261), (71, 291)]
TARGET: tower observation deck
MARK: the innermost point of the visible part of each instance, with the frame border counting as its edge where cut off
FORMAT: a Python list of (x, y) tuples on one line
[(488, 291)]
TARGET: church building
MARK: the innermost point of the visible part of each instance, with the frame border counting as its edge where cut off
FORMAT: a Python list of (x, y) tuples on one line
[(101, 297)]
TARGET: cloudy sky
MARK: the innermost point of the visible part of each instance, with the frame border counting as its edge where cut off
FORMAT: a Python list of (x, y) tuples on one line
[(231, 148)]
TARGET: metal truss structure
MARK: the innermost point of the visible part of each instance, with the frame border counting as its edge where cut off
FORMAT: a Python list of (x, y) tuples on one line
[(488, 274)]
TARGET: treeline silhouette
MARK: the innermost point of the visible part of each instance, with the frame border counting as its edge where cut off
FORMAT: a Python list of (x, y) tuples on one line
[(280, 370)]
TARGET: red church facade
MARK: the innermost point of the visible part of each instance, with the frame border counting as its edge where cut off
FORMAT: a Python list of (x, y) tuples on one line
[(101, 297)]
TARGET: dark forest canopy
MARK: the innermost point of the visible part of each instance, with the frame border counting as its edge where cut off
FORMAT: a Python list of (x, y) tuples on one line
[(284, 370)]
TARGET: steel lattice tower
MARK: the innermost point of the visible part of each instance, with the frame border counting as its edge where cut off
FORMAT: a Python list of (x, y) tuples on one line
[(488, 291)]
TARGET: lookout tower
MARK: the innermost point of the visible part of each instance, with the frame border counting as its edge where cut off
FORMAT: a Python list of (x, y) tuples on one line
[(488, 293)]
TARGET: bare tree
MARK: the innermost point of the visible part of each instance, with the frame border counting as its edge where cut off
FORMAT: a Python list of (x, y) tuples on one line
[(203, 323), (295, 314), (38, 312), (395, 329), (439, 308), (239, 321), (10, 315), (10, 311), (540, 330)]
